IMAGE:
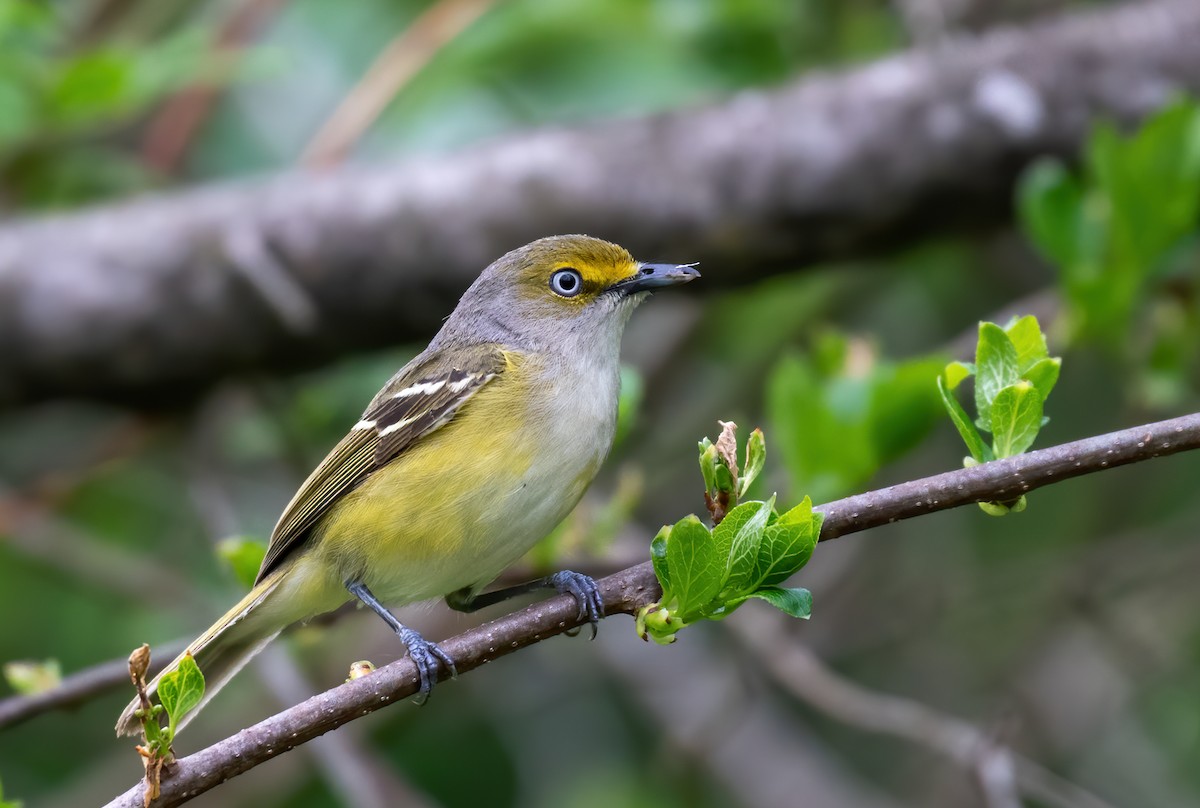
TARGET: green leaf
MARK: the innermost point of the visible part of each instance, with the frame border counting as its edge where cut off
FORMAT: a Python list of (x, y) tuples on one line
[(1001, 509), (1052, 206), (1016, 419), (92, 86), (995, 369), (655, 622), (244, 557), (181, 690), (756, 458), (658, 556), (787, 545), (737, 539), (708, 465), (962, 423), (1152, 184), (821, 427), (904, 407), (696, 569), (956, 372), (795, 602), (1026, 336), (1043, 375), (723, 477)]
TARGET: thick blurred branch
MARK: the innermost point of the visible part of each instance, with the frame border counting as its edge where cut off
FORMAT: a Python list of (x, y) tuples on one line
[(630, 589), (151, 300)]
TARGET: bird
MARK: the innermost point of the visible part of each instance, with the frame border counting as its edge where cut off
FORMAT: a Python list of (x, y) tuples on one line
[(468, 456)]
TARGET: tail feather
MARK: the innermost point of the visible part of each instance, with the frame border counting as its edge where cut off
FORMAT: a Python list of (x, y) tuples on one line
[(220, 652)]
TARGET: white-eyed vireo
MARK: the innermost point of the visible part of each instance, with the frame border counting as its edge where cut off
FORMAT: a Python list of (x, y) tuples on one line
[(468, 456)]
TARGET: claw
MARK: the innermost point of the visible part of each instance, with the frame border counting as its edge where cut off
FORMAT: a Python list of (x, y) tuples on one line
[(586, 594), (425, 655)]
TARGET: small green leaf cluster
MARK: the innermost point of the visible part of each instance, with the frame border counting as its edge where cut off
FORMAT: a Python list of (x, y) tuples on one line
[(706, 573), (1116, 227), (724, 487), (179, 692), (841, 412), (1014, 374)]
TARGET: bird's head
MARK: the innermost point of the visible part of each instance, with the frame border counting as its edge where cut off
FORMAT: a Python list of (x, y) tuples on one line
[(559, 287)]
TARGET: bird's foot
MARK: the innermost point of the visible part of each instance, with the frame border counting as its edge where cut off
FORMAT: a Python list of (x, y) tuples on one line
[(425, 655), (586, 594)]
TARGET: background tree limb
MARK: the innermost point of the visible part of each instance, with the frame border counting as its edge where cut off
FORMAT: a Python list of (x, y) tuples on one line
[(628, 590), (801, 673), (152, 300)]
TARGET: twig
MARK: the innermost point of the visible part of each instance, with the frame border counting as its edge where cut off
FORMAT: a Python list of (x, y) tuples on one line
[(630, 589), (402, 59), (998, 769)]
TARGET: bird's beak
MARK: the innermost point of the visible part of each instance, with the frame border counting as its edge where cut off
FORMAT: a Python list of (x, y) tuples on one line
[(655, 276)]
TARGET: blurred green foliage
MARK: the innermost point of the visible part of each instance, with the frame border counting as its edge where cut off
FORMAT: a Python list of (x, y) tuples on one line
[(56, 100), (8, 803), (244, 557), (841, 412), (1121, 230), (29, 677)]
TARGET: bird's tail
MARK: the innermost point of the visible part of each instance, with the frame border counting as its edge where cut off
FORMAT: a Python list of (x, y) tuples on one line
[(219, 652)]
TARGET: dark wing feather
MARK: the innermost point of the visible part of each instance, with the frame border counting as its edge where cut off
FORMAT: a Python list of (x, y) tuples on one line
[(413, 405), (405, 416)]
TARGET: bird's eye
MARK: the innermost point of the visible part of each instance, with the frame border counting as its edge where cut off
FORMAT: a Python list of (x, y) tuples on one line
[(566, 282)]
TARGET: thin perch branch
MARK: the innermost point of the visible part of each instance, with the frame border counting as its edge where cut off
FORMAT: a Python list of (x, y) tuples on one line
[(630, 589)]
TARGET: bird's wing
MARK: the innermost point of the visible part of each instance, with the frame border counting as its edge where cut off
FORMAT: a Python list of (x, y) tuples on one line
[(414, 404)]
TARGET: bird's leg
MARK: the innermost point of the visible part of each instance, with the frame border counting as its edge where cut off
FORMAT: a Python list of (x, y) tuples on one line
[(579, 586), (424, 654)]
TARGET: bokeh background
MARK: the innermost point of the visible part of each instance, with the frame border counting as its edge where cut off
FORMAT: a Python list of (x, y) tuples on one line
[(1045, 658)]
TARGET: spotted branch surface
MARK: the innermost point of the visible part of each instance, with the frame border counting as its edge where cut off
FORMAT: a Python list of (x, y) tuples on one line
[(151, 300), (627, 591)]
